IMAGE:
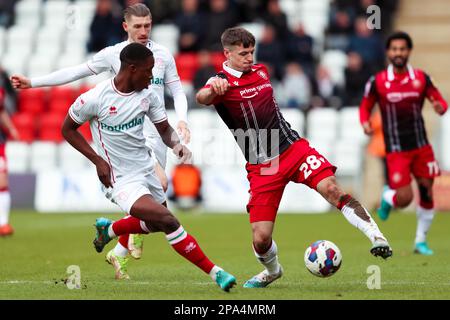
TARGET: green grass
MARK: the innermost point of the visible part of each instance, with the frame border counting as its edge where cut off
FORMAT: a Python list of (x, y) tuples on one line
[(34, 261)]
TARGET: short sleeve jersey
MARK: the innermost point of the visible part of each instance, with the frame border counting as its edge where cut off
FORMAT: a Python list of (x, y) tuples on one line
[(251, 113), (116, 122)]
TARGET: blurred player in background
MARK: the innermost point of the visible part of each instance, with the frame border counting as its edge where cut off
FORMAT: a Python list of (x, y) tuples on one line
[(243, 97), (7, 128), (400, 91), (138, 23), (124, 165)]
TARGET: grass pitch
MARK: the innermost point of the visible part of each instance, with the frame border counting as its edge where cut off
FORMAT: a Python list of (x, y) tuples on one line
[(34, 261)]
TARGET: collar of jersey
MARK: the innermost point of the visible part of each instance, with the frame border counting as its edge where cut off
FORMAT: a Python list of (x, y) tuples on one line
[(119, 92), (391, 75), (231, 71)]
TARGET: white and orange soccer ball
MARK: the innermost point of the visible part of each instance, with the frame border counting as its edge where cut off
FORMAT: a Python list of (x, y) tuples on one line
[(323, 258)]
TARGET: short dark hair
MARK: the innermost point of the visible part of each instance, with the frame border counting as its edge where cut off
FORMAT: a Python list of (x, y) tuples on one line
[(237, 36), (399, 35), (136, 10), (134, 53)]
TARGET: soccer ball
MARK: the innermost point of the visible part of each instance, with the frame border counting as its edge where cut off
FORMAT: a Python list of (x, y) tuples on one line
[(323, 258)]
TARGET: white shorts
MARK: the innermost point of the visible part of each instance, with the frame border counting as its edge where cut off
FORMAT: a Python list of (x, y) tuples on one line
[(127, 190), (154, 142)]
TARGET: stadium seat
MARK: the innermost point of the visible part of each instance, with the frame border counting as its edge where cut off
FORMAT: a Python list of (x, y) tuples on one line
[(56, 14), (41, 64), (32, 100), (166, 35), (335, 61), (322, 124), (2, 40), (187, 65), (70, 159), (350, 127), (348, 158), (18, 155), (60, 99), (25, 125), (43, 156), (50, 127), (295, 118), (445, 142)]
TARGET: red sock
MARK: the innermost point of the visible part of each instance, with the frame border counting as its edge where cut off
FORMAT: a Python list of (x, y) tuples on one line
[(123, 240), (187, 246), (394, 200), (128, 225)]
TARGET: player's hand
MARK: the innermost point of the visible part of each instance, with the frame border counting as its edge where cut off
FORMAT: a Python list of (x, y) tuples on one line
[(438, 107), (183, 131), (20, 82), (367, 128), (219, 85), (103, 172), (182, 152)]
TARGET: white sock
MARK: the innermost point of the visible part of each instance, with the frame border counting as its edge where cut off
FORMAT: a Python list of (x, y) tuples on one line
[(213, 272), (424, 220), (120, 250), (269, 259), (364, 223), (5, 205), (111, 233), (388, 196)]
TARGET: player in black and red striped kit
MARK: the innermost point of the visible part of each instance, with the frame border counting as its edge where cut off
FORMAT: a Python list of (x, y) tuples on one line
[(243, 96), (400, 91)]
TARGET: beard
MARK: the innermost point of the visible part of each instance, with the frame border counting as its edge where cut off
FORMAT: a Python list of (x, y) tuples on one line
[(399, 62)]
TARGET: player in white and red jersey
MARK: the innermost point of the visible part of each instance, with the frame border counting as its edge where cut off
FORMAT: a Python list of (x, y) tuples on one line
[(115, 110), (276, 155), (138, 25), (6, 126), (400, 91)]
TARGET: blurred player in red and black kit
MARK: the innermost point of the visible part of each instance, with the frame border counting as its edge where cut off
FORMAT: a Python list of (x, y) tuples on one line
[(400, 91), (243, 97), (6, 127)]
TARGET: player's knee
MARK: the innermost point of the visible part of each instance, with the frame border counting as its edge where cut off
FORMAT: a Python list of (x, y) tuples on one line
[(404, 199), (331, 190), (168, 223), (262, 241)]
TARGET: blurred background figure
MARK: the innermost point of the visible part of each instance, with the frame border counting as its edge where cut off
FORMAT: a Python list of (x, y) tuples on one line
[(278, 19), (7, 12), (296, 87), (270, 51), (356, 75), (325, 91), (367, 44), (190, 23), (221, 15), (299, 48), (106, 27), (187, 183)]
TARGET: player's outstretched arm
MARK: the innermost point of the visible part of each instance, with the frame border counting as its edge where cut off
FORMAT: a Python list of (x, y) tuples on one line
[(56, 78), (215, 87), (75, 139)]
